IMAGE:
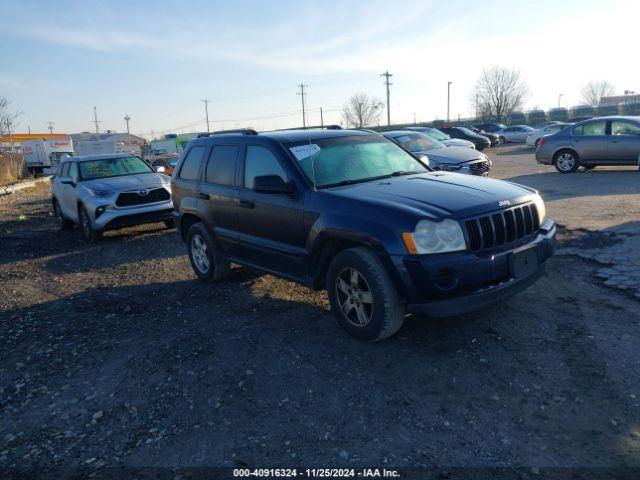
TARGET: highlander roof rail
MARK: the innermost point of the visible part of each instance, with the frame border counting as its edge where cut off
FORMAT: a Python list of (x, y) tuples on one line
[(311, 127), (241, 131), (202, 135)]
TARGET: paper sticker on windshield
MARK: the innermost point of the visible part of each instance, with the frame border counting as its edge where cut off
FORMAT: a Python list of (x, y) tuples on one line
[(304, 151)]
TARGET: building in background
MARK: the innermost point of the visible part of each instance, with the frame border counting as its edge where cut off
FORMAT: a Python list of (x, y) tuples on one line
[(18, 138)]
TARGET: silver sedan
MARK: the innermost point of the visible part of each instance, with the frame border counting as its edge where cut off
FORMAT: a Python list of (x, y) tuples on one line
[(605, 141)]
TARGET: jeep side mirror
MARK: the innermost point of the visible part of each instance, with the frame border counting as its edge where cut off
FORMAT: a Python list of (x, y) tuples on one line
[(67, 181), (272, 184)]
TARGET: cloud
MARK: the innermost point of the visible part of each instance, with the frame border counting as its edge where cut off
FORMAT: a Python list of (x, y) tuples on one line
[(8, 81)]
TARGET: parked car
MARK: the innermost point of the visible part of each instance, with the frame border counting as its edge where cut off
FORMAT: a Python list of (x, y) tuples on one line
[(351, 212), (604, 141), (534, 137), (165, 163), (514, 133), (465, 134), (107, 192), (547, 123), (441, 157), (442, 137), (490, 127), (493, 138)]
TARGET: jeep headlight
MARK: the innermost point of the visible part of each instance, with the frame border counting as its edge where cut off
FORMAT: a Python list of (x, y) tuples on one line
[(542, 210), (435, 237)]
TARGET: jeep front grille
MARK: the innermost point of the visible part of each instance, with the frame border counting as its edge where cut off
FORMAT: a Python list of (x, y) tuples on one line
[(129, 199), (503, 227)]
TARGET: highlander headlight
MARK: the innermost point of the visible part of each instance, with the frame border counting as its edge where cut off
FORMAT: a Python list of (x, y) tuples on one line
[(434, 237), (542, 210), (99, 193)]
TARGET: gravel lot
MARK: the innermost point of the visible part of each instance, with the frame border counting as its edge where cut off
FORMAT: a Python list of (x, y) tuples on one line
[(114, 355)]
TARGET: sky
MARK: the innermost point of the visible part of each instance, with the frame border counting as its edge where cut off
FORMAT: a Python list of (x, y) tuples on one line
[(157, 60)]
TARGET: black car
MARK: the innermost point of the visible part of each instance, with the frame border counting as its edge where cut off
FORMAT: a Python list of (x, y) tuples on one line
[(351, 212), (490, 127), (465, 134), (493, 137), (439, 156)]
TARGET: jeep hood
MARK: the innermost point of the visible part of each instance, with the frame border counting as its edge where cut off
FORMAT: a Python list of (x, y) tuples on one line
[(126, 182), (439, 193)]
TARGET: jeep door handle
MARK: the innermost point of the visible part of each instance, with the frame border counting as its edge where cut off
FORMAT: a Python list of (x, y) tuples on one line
[(246, 204), (204, 196)]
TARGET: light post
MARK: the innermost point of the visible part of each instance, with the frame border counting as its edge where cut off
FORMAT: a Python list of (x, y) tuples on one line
[(560, 98), (448, 99)]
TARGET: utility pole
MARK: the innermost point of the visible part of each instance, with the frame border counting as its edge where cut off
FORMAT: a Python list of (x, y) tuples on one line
[(560, 98), (126, 119), (206, 112), (448, 99), (95, 120), (302, 94), (414, 118), (321, 119), (50, 127), (386, 76)]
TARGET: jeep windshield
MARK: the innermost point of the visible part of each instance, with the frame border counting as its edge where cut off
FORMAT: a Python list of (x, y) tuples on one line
[(112, 167), (347, 160)]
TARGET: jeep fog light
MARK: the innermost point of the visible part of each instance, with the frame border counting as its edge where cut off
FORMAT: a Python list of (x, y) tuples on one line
[(434, 237)]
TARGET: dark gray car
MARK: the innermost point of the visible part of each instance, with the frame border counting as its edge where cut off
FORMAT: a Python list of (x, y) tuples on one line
[(441, 157), (605, 141)]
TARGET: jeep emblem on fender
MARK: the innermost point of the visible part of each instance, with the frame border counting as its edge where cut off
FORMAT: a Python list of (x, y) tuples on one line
[(504, 203), (143, 192)]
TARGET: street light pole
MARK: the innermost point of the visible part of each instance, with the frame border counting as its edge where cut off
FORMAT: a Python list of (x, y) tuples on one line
[(448, 99), (206, 112), (560, 98)]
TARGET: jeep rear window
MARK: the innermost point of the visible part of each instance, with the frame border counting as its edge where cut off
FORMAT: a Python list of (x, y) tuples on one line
[(343, 160), (112, 167)]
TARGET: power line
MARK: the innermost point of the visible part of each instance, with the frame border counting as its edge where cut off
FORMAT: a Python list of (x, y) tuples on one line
[(302, 94), (387, 75), (95, 120), (126, 119), (206, 111)]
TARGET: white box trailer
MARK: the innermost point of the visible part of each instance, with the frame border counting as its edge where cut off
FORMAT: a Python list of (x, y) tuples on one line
[(44, 155), (94, 147)]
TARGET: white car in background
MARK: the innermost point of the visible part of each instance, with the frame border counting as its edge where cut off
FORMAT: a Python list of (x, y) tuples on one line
[(534, 137), (514, 133)]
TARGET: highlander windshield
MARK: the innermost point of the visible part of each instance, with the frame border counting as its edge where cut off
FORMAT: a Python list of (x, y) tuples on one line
[(345, 160), (112, 167)]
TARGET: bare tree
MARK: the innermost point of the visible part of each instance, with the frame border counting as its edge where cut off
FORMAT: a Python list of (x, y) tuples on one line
[(8, 120), (361, 110), (498, 92), (593, 92)]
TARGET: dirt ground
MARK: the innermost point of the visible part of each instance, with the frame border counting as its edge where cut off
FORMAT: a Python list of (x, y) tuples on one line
[(112, 354)]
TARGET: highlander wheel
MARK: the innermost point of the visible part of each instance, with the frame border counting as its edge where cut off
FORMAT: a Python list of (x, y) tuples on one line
[(88, 231), (64, 223), (204, 258), (502, 141), (566, 161), (362, 296)]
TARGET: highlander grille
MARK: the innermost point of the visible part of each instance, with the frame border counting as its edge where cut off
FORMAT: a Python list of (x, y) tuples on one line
[(479, 168), (503, 227), (128, 199)]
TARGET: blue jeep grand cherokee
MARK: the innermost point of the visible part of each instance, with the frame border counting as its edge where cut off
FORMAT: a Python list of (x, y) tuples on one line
[(353, 213)]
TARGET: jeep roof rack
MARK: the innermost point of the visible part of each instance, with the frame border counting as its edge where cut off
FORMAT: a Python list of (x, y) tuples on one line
[(241, 131)]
